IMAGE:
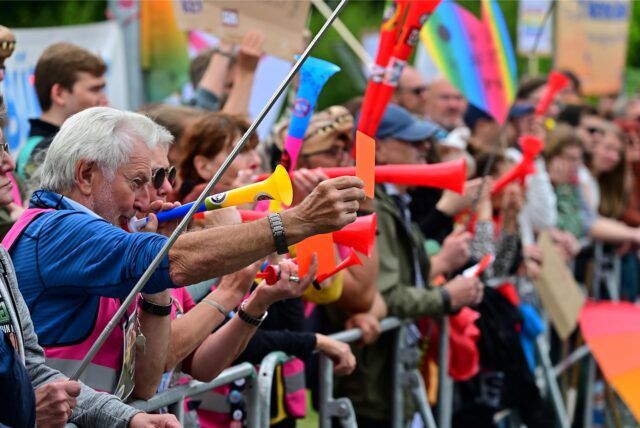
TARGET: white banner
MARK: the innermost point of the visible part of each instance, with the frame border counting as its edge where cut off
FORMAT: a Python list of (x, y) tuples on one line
[(104, 39), (531, 15)]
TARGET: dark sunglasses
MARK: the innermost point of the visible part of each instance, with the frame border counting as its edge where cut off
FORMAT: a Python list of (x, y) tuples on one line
[(160, 174), (417, 91)]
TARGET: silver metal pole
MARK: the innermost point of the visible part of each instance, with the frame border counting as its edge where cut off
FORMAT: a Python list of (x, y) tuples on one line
[(397, 371), (265, 381), (552, 383), (183, 224), (445, 397)]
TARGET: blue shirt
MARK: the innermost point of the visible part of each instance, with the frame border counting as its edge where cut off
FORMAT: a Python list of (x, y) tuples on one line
[(66, 259)]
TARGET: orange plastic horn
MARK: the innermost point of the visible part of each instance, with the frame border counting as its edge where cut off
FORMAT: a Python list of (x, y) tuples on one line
[(557, 81), (446, 175), (359, 235), (352, 260)]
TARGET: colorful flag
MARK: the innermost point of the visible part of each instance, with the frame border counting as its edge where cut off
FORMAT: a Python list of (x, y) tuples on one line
[(476, 56), (163, 50)]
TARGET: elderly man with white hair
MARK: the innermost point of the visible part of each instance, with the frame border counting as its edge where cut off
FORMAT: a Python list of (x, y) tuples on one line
[(75, 264)]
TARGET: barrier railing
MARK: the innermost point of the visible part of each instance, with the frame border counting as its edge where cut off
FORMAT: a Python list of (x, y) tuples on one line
[(606, 272)]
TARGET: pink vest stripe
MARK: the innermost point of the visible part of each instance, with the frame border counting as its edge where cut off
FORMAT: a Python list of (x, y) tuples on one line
[(295, 398)]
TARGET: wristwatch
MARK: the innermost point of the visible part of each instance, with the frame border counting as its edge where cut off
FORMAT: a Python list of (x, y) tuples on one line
[(155, 309), (446, 301), (248, 318), (277, 229)]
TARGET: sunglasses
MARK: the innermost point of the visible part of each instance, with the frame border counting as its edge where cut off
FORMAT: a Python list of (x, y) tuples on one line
[(417, 91), (160, 174)]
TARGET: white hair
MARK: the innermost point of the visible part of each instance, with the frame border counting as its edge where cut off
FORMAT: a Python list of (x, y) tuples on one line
[(103, 135)]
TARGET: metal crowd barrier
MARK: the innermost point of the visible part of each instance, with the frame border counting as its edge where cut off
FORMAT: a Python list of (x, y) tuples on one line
[(606, 271)]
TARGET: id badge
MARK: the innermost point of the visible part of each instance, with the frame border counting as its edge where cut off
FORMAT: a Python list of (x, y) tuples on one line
[(126, 383)]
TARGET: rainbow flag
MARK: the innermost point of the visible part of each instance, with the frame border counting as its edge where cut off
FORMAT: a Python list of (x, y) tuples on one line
[(476, 56), (163, 50)]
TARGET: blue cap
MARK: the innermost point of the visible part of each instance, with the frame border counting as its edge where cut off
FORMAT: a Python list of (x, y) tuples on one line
[(398, 123), (521, 109)]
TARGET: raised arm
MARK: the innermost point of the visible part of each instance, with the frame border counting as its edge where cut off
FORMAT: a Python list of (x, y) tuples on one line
[(197, 256)]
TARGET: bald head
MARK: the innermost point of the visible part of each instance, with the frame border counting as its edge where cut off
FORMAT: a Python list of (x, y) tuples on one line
[(412, 91), (445, 104)]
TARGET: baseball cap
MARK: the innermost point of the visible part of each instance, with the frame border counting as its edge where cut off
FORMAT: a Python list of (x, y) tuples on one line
[(520, 110), (398, 123)]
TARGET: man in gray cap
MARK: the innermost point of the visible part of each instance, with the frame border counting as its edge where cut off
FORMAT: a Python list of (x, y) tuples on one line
[(404, 269)]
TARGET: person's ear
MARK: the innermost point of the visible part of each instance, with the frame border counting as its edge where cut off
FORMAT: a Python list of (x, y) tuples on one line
[(204, 167), (381, 152), (85, 175), (59, 95)]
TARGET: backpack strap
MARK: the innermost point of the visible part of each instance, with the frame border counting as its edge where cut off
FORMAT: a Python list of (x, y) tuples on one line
[(21, 224)]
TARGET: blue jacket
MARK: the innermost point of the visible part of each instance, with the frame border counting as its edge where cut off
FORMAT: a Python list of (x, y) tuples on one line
[(67, 259)]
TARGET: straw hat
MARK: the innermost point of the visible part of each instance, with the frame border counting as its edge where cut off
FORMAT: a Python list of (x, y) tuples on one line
[(323, 127)]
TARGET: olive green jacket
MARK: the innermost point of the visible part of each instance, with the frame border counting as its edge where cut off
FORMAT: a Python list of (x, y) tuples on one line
[(369, 387)]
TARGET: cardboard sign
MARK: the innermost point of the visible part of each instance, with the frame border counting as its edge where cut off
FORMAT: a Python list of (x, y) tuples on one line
[(591, 41), (560, 295), (531, 25), (282, 22)]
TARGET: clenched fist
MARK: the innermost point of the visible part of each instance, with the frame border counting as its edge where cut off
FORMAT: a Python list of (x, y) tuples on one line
[(329, 207), (55, 402)]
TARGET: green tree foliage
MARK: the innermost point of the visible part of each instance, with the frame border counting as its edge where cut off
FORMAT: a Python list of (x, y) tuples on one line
[(50, 13)]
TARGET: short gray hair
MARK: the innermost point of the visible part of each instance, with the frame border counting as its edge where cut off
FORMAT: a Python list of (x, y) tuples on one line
[(103, 135)]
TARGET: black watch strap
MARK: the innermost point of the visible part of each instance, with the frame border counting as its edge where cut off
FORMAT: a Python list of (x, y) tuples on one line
[(155, 309), (248, 318), (277, 229), (446, 300)]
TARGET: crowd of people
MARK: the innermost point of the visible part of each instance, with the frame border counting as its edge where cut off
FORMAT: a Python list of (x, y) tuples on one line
[(69, 259)]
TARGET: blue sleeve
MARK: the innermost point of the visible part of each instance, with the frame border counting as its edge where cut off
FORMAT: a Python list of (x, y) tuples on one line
[(207, 100), (76, 252)]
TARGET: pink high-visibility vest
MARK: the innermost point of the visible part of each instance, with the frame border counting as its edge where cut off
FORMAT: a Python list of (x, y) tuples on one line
[(104, 370)]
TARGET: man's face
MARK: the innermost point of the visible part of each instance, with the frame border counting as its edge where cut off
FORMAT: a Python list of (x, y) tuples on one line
[(159, 160), (117, 198), (6, 165), (393, 151), (337, 155), (88, 91), (412, 93), (446, 105)]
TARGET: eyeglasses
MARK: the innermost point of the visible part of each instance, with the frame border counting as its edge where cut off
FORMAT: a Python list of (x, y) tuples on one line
[(334, 151), (158, 176), (4, 150), (417, 91), (593, 130)]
